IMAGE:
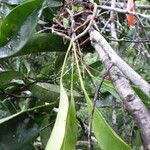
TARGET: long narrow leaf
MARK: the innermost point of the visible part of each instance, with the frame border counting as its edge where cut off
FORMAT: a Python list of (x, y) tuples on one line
[(57, 136), (70, 138), (105, 135), (71, 128), (58, 133)]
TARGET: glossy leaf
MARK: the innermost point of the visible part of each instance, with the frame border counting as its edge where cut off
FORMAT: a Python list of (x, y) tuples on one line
[(17, 27), (15, 19), (58, 133), (43, 42), (21, 128), (7, 76), (13, 2)]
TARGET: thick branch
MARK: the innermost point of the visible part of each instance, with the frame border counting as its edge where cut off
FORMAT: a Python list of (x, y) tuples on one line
[(121, 64), (131, 101)]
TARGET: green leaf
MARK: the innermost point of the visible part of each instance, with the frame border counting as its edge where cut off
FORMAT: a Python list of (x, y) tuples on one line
[(106, 137), (57, 136), (108, 86), (70, 138), (43, 42), (15, 19), (145, 98), (21, 128), (4, 112), (59, 61), (45, 134), (7, 76), (13, 2), (54, 3), (49, 92), (45, 92), (65, 23), (17, 27), (77, 8), (10, 106)]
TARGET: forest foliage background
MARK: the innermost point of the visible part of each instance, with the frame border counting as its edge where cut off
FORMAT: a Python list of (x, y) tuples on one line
[(46, 99)]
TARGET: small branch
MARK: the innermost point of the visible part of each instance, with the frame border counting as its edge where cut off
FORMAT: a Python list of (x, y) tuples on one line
[(123, 11), (61, 34), (82, 126), (14, 95), (45, 127), (90, 23), (93, 108), (82, 143), (122, 5), (118, 105), (113, 113), (131, 41), (106, 24)]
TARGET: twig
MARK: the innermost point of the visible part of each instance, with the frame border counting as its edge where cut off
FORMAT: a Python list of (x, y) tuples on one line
[(82, 143), (118, 105), (14, 95), (106, 24), (123, 11), (82, 125), (90, 23), (85, 41), (122, 5), (113, 112), (48, 125), (82, 25), (81, 12), (61, 34), (132, 41), (94, 105)]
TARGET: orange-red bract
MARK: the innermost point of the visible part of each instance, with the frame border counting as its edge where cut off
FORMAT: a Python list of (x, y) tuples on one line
[(130, 17)]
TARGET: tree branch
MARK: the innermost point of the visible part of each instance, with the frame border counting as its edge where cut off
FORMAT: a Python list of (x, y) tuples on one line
[(123, 11), (131, 101), (96, 37), (123, 5)]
